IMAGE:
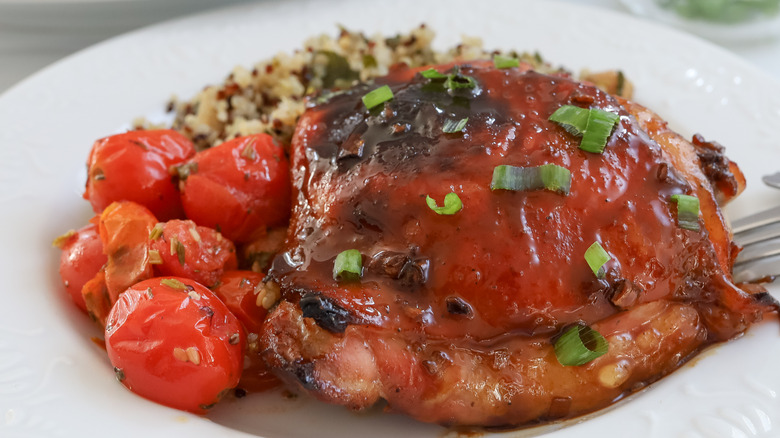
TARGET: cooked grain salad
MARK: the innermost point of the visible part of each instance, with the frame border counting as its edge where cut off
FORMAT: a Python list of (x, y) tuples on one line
[(271, 96)]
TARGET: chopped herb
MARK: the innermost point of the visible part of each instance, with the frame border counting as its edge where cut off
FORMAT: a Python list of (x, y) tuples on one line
[(597, 257), (687, 211), (594, 125), (432, 73), (377, 96), (62, 239), (505, 62), (154, 257), (348, 265), (173, 283), (337, 70), (453, 126), (600, 124), (369, 61), (452, 204), (459, 81), (547, 176), (156, 232), (579, 345)]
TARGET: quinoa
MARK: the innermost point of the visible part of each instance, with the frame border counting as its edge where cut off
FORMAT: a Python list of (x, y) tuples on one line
[(272, 95)]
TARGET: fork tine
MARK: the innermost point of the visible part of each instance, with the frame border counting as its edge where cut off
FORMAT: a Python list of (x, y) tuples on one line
[(763, 218), (759, 250), (758, 234), (757, 269)]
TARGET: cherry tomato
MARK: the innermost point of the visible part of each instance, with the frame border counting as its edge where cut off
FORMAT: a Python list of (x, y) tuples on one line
[(238, 187), (96, 298), (187, 250), (124, 229), (238, 290), (172, 341), (134, 166), (81, 258)]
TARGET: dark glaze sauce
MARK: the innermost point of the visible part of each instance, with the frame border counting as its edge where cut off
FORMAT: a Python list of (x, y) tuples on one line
[(508, 263)]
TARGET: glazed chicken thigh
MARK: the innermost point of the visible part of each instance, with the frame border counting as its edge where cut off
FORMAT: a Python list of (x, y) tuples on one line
[(454, 317)]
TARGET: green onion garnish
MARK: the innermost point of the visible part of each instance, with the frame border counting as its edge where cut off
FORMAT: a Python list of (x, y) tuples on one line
[(348, 265), (687, 211), (600, 124), (594, 125), (432, 73), (547, 176), (452, 126), (579, 345), (572, 118), (452, 204), (377, 96), (505, 62), (596, 258), (457, 81)]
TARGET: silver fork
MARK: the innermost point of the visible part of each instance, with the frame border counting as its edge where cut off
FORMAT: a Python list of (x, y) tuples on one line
[(759, 235)]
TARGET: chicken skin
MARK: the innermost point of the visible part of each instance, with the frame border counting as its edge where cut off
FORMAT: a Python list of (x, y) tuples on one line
[(454, 317)]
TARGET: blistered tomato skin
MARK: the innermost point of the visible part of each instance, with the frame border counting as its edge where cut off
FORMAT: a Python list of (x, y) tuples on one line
[(238, 187), (134, 166), (239, 290), (172, 341), (81, 258), (124, 230), (188, 250)]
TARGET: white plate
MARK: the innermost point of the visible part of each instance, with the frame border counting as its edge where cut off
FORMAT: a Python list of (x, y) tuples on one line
[(55, 382)]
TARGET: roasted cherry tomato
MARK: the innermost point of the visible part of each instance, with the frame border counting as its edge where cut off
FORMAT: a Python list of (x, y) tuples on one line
[(172, 341), (238, 290), (135, 166), (124, 229), (184, 249), (81, 259), (238, 187), (243, 293)]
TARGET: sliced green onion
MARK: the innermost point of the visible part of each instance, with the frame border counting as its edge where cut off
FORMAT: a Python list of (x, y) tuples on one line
[(432, 73), (348, 265), (687, 211), (594, 125), (596, 258), (452, 126), (377, 96), (547, 176), (505, 62), (452, 204), (572, 118), (458, 81), (579, 345), (600, 124)]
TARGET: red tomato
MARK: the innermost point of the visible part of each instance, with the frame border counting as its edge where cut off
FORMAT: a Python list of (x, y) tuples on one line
[(81, 258), (134, 166), (187, 250), (124, 229), (238, 290), (238, 187), (172, 341), (96, 298)]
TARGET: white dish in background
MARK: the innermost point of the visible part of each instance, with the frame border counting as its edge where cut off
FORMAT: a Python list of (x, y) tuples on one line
[(759, 28), (55, 382)]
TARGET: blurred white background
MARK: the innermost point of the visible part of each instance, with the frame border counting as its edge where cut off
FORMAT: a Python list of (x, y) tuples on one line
[(37, 33)]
